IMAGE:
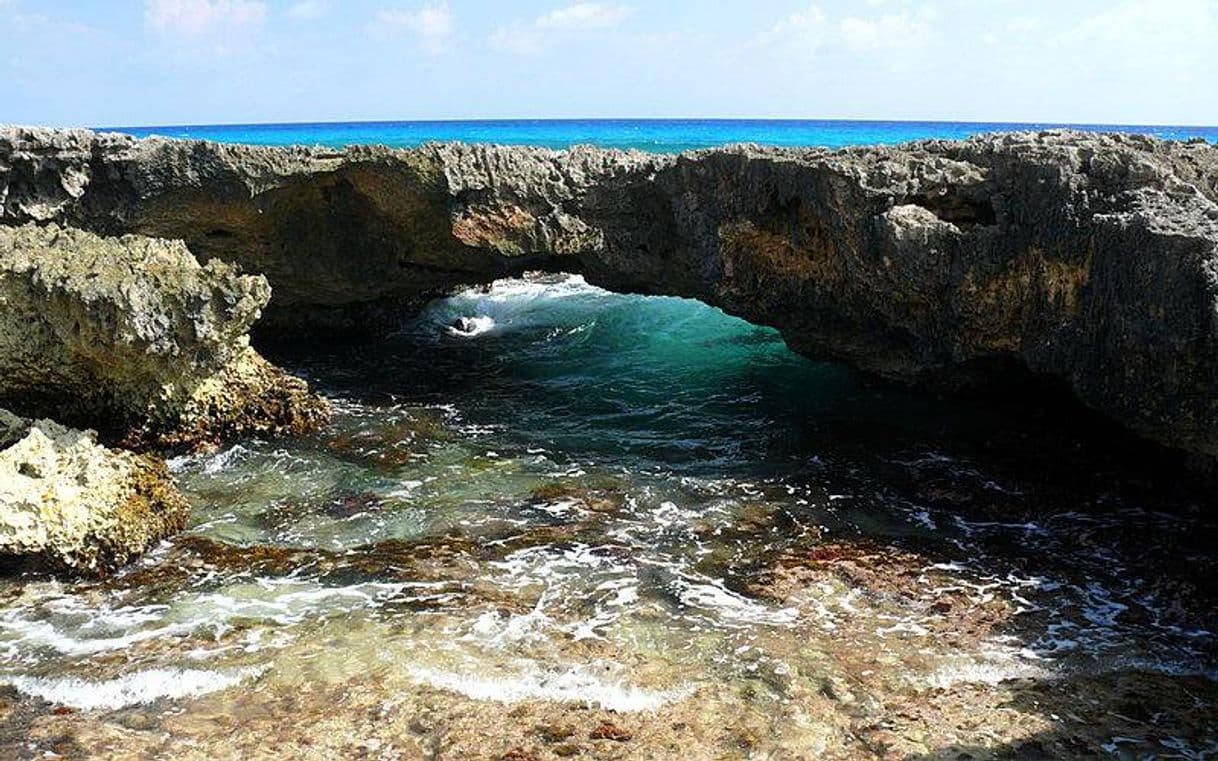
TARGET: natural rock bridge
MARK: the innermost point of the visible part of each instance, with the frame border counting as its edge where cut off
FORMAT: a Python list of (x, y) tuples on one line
[(1085, 258)]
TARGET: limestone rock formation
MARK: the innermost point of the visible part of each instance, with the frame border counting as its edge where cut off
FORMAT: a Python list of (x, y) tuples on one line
[(132, 336), (70, 504), (1088, 259)]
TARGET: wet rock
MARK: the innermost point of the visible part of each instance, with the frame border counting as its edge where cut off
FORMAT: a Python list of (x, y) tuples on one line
[(70, 504), (139, 720), (837, 689), (595, 498), (351, 505), (466, 325), (882, 580), (395, 442), (553, 733), (135, 338), (610, 731)]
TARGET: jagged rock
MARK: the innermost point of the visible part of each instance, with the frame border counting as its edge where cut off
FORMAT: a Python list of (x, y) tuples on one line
[(70, 504), (1089, 259), (132, 336)]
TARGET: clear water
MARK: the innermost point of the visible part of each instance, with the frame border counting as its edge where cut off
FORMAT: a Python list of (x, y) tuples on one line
[(661, 135), (542, 504)]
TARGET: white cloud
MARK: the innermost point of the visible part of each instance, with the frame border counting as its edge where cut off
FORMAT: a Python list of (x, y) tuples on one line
[(531, 37), (307, 9), (517, 37), (1022, 25), (1144, 45), (890, 31), (431, 24), (584, 16), (198, 17), (1151, 27), (798, 35)]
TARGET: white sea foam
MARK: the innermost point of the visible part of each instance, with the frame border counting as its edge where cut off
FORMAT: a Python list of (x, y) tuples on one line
[(130, 689), (559, 507), (404, 489), (1182, 667), (985, 672), (517, 289), (82, 629), (212, 464), (730, 608), (578, 684), (106, 631), (500, 630), (902, 627), (505, 305)]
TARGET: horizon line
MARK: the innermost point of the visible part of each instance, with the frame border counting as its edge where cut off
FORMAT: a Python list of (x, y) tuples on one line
[(569, 119)]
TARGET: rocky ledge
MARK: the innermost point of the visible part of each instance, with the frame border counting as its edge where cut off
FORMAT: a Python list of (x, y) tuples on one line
[(1088, 259), (70, 504)]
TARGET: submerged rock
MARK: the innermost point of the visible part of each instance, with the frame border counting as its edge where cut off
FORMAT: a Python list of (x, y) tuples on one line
[(1091, 260), (70, 504), (134, 337)]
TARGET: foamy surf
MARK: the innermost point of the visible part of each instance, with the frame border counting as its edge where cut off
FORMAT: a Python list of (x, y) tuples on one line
[(138, 688), (731, 609), (985, 672), (517, 289), (578, 684), (73, 627), (504, 305)]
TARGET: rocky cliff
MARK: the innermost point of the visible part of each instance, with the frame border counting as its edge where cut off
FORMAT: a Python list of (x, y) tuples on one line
[(1089, 259)]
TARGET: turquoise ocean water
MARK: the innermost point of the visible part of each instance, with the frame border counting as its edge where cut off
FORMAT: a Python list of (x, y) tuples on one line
[(662, 135)]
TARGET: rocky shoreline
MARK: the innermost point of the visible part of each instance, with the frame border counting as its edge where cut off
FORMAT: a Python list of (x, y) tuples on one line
[(1090, 260)]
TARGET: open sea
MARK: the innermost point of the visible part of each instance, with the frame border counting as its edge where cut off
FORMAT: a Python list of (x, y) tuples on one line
[(660, 135)]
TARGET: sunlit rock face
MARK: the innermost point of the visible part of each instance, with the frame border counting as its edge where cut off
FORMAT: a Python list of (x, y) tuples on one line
[(70, 504), (134, 337), (1089, 259)]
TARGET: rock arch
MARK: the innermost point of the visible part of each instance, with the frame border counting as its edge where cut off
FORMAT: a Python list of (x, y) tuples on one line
[(1090, 259)]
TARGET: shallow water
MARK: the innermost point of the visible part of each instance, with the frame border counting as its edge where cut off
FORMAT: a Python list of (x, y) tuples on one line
[(574, 510)]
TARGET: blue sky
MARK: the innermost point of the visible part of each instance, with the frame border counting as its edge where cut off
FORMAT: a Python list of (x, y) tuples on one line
[(161, 62)]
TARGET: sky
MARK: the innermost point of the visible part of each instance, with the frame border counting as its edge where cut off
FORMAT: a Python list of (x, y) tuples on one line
[(172, 62)]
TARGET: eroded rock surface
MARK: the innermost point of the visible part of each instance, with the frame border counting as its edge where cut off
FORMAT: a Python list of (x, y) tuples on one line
[(69, 504), (1089, 259), (133, 336)]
